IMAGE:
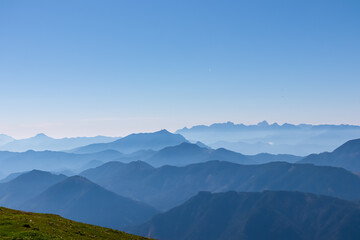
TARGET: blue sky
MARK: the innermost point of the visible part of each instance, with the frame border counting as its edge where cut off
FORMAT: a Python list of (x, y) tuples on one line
[(83, 68)]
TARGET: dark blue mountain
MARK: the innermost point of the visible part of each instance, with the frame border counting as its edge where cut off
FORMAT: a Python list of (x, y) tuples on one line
[(256, 216)]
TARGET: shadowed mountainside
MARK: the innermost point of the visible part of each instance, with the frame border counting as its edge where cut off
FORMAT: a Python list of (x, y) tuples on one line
[(256, 216)]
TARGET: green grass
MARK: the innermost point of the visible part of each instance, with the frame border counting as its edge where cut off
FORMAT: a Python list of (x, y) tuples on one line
[(23, 225)]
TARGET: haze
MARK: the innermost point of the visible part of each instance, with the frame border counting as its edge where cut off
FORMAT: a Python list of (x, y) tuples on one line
[(85, 68)]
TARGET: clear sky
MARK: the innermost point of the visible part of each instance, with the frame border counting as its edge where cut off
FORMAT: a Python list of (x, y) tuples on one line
[(83, 68)]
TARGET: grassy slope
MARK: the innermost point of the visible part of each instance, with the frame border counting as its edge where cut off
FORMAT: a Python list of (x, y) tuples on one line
[(22, 225)]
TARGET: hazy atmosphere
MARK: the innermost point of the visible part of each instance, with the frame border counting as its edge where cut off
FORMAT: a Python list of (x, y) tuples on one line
[(180, 120), (86, 68)]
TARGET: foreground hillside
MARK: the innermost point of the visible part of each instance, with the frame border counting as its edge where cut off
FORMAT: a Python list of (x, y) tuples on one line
[(257, 216), (23, 225)]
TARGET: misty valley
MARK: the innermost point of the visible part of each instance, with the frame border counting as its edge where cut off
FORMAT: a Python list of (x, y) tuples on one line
[(164, 185), (179, 120)]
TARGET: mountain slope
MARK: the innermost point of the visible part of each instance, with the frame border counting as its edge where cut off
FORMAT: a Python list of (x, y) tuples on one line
[(346, 156), (4, 139), (26, 186), (136, 142), (257, 216), (79, 199), (24, 225), (41, 142), (11, 176), (168, 186)]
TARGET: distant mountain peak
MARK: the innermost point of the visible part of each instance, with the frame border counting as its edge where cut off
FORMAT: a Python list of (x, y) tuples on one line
[(36, 174), (77, 179), (140, 164), (263, 124), (163, 131), (41, 136)]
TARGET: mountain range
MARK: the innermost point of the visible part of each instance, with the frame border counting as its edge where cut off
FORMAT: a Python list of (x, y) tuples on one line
[(168, 186), (179, 155), (120, 195), (256, 216), (302, 139), (187, 153), (41, 142)]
